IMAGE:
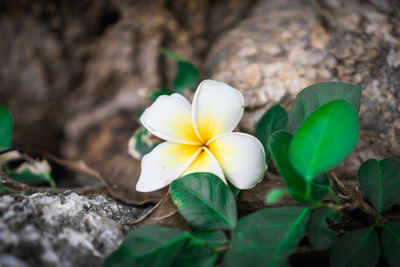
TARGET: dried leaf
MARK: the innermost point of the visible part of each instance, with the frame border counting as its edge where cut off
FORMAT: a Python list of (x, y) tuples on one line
[(120, 175), (165, 214), (253, 199)]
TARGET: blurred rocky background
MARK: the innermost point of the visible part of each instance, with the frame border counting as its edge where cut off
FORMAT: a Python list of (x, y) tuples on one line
[(75, 73)]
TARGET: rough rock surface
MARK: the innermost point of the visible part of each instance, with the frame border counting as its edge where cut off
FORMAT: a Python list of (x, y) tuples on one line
[(284, 46), (74, 66), (61, 230)]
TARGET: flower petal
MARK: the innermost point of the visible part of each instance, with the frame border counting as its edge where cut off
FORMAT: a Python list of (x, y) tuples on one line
[(206, 162), (169, 118), (165, 163), (217, 109), (241, 157)]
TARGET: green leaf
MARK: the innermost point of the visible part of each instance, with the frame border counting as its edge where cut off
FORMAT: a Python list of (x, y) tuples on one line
[(380, 181), (6, 126), (32, 172), (141, 143), (196, 254), (148, 246), (324, 139), (274, 195), (320, 235), (296, 185), (187, 76), (215, 239), (205, 201), (171, 54), (356, 248), (314, 96), (275, 119), (267, 237), (234, 189), (390, 240), (28, 177), (154, 95)]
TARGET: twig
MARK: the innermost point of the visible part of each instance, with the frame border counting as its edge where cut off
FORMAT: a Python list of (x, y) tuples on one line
[(357, 200), (342, 187), (221, 249)]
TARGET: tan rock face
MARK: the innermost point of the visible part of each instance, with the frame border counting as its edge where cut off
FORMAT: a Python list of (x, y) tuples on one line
[(282, 47)]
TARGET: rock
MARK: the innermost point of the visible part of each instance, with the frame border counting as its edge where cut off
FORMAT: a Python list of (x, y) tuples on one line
[(61, 230), (282, 47), (66, 68)]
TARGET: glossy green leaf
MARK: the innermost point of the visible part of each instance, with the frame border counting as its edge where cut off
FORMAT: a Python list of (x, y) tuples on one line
[(390, 240), (148, 246), (275, 119), (380, 181), (187, 76), (196, 254), (141, 143), (154, 95), (325, 138), (215, 239), (314, 96), (355, 249), (6, 126), (296, 185), (319, 233), (267, 237), (205, 201), (274, 195)]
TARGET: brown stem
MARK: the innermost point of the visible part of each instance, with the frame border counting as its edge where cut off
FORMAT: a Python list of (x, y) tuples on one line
[(357, 200), (222, 249)]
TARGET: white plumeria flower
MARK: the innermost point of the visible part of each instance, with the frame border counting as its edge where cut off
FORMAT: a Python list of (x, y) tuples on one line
[(199, 138)]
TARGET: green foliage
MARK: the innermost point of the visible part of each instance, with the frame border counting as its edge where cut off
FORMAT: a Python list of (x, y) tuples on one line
[(141, 143), (205, 201), (6, 125), (324, 139), (234, 189), (187, 76), (316, 95), (196, 254), (267, 237), (26, 176), (274, 195), (34, 172), (216, 239), (300, 189), (154, 95), (321, 237), (356, 248), (319, 132), (148, 246), (275, 119), (390, 240), (380, 181)]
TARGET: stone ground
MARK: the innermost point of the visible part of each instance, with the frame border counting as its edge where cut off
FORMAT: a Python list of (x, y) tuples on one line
[(61, 230)]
